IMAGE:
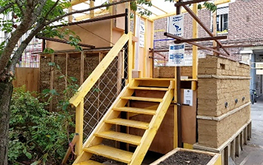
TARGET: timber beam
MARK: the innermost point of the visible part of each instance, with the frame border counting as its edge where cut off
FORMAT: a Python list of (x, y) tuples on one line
[(204, 27), (200, 39), (93, 20), (193, 43), (63, 41), (188, 2)]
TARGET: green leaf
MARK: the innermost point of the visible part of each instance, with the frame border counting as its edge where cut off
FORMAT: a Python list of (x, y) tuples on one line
[(28, 155), (36, 162), (51, 64), (74, 79), (45, 91), (53, 92)]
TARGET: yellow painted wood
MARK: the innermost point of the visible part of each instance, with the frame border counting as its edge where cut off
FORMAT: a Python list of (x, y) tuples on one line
[(89, 162), (218, 161), (188, 146), (155, 123), (195, 50), (87, 16), (130, 58), (98, 71), (110, 152), (129, 123), (79, 126), (149, 88), (75, 2), (92, 139), (143, 99), (121, 137), (153, 79), (135, 110), (145, 54), (92, 11)]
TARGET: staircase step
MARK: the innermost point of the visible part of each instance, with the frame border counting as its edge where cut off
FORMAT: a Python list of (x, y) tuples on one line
[(110, 152), (149, 88), (143, 99), (129, 123), (122, 137), (89, 162), (135, 110)]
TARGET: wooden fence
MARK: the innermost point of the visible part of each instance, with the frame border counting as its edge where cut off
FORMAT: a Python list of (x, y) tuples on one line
[(28, 77)]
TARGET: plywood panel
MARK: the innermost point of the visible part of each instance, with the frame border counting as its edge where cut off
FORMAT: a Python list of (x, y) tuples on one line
[(95, 33), (188, 120), (28, 77)]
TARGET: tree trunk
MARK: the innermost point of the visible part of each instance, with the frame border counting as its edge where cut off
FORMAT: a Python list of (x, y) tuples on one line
[(6, 89)]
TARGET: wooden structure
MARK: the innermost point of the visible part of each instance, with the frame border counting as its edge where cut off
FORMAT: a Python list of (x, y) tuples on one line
[(215, 160), (28, 77), (145, 103)]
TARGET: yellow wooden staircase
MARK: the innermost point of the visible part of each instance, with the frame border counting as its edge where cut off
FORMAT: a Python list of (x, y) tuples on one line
[(132, 95)]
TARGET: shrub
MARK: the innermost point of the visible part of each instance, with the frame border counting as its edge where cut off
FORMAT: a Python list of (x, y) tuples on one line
[(35, 134)]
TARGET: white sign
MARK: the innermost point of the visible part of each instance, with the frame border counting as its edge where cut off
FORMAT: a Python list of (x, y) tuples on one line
[(176, 55), (188, 97), (176, 25), (142, 32)]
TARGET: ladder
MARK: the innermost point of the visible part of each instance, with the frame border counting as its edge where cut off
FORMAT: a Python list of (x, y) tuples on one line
[(142, 96)]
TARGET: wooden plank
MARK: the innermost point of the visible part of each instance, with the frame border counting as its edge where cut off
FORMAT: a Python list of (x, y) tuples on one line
[(225, 155), (89, 162), (129, 123), (237, 145), (142, 99), (82, 63), (245, 136), (79, 126), (241, 140), (119, 72), (52, 81), (135, 110), (30, 77), (189, 120), (155, 123), (149, 88), (110, 152), (73, 142), (66, 70), (98, 71), (233, 150), (121, 137)]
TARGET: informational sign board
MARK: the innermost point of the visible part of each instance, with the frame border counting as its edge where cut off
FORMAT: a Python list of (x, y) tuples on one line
[(176, 25), (142, 32), (188, 97), (176, 55)]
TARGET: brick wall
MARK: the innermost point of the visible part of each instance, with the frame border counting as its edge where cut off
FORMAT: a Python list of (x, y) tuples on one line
[(245, 19), (223, 99)]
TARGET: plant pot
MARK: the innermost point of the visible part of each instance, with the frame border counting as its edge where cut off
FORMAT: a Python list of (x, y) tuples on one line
[(181, 156)]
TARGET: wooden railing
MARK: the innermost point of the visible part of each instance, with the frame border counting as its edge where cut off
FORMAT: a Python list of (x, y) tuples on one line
[(78, 99)]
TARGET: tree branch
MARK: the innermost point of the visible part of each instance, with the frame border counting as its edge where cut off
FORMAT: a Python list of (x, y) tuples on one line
[(28, 20), (2, 9), (22, 47)]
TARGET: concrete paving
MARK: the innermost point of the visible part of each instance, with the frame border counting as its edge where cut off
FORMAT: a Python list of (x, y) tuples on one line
[(252, 153)]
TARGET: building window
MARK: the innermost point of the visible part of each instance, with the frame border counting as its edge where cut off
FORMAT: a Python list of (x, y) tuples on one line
[(221, 19), (222, 23)]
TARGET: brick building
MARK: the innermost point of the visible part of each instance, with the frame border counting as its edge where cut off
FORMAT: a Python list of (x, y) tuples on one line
[(241, 21)]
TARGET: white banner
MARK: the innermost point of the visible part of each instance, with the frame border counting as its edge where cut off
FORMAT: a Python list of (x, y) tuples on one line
[(176, 55), (176, 25), (142, 32)]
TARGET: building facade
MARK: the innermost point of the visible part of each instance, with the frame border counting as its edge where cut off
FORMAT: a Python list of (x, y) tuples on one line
[(241, 21)]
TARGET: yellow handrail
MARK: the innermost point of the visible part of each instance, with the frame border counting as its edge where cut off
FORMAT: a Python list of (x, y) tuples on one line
[(98, 71)]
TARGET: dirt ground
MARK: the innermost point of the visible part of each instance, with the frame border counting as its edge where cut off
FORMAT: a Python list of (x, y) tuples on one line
[(187, 158)]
